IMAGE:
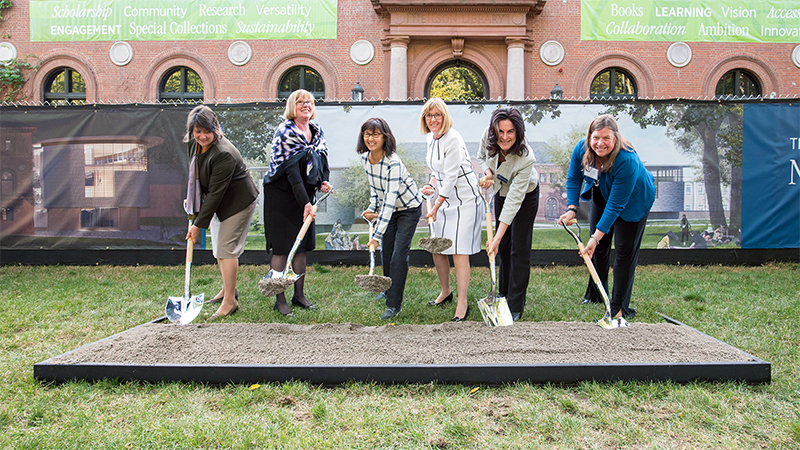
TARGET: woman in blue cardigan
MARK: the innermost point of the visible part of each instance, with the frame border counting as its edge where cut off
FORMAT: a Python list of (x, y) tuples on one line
[(606, 171)]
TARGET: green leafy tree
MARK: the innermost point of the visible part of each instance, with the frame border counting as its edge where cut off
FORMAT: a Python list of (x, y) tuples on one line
[(457, 83), (13, 77), (695, 128), (251, 130), (559, 153)]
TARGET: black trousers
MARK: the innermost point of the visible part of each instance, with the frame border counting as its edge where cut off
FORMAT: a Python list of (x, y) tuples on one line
[(627, 237), (514, 251)]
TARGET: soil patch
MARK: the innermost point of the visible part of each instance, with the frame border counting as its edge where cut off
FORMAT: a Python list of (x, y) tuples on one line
[(468, 343)]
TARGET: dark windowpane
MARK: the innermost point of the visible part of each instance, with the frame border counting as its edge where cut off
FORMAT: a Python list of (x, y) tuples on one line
[(65, 86), (58, 84), (738, 83), (193, 82), (301, 77), (181, 84), (77, 83), (173, 83), (600, 84), (613, 83)]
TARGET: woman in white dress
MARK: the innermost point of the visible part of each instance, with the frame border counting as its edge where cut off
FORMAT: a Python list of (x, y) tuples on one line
[(458, 211)]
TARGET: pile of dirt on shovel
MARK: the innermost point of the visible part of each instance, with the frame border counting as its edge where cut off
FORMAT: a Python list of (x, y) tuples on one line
[(447, 343)]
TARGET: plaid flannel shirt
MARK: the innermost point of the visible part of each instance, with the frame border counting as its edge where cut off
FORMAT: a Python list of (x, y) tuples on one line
[(391, 188)]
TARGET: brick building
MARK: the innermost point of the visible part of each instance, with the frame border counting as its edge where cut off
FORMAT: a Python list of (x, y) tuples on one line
[(393, 48)]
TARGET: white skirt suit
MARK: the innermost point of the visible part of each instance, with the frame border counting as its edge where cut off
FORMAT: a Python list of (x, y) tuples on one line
[(461, 216)]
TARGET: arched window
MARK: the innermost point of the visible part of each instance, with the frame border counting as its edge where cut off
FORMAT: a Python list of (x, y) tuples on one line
[(738, 83), (457, 80), (613, 84), (181, 85), (65, 86), (301, 77), (8, 184)]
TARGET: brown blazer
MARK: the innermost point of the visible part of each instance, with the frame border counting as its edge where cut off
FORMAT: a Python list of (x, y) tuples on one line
[(225, 182)]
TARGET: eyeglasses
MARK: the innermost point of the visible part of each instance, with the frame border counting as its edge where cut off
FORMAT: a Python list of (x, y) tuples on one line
[(375, 135), (436, 116), (305, 102)]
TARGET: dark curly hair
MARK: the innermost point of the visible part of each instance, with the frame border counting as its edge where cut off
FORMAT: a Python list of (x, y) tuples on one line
[(512, 114)]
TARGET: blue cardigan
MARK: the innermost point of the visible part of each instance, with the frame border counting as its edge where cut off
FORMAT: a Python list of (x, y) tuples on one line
[(628, 189)]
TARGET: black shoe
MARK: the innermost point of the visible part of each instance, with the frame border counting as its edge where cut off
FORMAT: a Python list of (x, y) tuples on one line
[(447, 299), (390, 312), (461, 319), (297, 302), (219, 299), (516, 316), (286, 313)]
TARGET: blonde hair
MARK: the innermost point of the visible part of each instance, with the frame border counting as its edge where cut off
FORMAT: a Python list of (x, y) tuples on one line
[(291, 103), (600, 122), (447, 119)]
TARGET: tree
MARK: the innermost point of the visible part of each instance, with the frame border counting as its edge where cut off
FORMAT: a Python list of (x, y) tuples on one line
[(695, 128), (457, 83), (251, 129)]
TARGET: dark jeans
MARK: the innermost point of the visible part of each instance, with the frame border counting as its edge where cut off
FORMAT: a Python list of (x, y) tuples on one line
[(627, 238), (514, 251), (394, 252)]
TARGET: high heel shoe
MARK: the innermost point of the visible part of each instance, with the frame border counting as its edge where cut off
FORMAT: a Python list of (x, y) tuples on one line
[(447, 299), (219, 299), (216, 316), (289, 312), (306, 305), (461, 319)]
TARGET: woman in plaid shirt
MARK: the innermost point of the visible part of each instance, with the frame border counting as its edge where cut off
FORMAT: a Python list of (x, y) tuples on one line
[(395, 202)]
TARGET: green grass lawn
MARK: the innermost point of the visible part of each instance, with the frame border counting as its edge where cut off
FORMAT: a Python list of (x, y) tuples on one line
[(49, 310), (544, 237)]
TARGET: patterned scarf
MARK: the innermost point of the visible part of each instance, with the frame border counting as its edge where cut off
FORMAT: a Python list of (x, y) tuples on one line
[(289, 140)]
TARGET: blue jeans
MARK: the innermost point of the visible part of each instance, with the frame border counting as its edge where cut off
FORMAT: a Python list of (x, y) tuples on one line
[(394, 252)]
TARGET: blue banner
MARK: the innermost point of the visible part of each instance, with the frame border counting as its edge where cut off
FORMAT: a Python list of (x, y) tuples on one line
[(771, 176)]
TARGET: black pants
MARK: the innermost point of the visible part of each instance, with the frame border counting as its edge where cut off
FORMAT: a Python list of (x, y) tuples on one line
[(394, 253), (627, 238), (514, 251)]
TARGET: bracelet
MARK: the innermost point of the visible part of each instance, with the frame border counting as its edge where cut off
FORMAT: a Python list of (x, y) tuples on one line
[(573, 209), (439, 202), (595, 239)]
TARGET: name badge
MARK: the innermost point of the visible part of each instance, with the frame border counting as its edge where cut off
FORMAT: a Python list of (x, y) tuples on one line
[(591, 173)]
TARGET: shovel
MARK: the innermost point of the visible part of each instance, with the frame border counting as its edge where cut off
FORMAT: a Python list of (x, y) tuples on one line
[(494, 309), (372, 282), (275, 282), (183, 310), (606, 322), (434, 244)]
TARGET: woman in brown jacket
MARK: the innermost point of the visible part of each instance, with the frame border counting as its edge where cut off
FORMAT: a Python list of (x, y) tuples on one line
[(222, 197)]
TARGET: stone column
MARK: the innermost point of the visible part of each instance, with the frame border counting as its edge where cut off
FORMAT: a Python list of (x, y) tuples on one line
[(398, 72), (515, 77)]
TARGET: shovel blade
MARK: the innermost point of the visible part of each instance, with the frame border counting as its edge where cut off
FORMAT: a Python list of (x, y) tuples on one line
[(181, 311), (495, 312), (609, 324)]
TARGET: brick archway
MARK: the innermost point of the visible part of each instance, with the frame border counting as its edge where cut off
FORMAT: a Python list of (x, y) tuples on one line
[(167, 61), (418, 78), (273, 74), (730, 61), (644, 79), (65, 59)]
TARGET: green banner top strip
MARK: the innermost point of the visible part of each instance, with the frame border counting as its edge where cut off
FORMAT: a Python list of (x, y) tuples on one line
[(168, 20), (689, 20)]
